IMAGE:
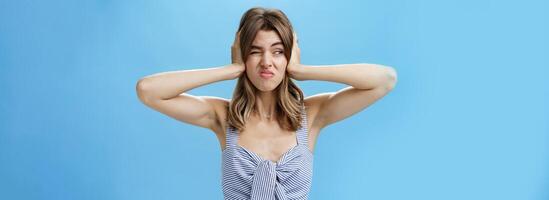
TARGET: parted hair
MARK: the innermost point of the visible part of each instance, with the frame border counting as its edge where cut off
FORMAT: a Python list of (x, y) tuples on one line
[(289, 98)]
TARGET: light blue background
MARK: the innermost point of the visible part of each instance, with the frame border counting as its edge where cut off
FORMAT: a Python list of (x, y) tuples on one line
[(467, 119)]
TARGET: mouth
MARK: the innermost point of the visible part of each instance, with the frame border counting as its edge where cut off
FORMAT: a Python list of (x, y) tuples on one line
[(266, 74)]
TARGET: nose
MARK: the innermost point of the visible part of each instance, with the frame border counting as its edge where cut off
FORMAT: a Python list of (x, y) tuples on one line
[(266, 61)]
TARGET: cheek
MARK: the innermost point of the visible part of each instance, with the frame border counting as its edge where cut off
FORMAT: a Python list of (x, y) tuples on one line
[(251, 63), (282, 63)]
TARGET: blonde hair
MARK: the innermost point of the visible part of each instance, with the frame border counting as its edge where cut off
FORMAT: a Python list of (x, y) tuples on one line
[(289, 98)]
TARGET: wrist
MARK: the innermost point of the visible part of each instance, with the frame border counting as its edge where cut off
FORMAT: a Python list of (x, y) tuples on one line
[(234, 70), (297, 72)]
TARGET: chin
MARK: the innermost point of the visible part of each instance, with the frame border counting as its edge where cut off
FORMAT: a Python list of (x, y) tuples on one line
[(266, 88)]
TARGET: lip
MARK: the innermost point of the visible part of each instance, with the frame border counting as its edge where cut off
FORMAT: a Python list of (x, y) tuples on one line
[(266, 74)]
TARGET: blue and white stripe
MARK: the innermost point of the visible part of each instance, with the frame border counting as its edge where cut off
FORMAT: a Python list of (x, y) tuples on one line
[(245, 175)]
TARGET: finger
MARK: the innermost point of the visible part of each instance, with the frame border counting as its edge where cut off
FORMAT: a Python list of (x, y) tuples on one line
[(237, 37)]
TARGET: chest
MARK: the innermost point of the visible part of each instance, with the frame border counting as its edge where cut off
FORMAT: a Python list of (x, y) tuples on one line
[(267, 140)]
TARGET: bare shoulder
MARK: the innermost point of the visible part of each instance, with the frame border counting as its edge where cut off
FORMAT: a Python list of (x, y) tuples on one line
[(221, 107)]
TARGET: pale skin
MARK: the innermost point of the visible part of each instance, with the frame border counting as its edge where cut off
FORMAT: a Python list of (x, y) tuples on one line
[(165, 92)]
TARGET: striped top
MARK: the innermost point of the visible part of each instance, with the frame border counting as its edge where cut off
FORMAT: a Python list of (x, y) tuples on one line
[(246, 175)]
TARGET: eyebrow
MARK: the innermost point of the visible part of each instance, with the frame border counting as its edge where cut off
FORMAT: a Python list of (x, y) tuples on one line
[(274, 44)]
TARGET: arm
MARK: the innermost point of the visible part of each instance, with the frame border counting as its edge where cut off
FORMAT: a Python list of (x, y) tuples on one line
[(360, 76), (167, 85), (164, 91), (368, 83)]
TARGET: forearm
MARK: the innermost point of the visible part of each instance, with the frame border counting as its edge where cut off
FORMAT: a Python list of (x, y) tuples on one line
[(361, 76), (166, 85)]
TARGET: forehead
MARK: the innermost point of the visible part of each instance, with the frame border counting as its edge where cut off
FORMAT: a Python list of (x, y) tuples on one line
[(265, 38)]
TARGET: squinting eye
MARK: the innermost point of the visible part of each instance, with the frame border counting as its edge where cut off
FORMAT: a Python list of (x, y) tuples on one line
[(255, 52), (278, 52)]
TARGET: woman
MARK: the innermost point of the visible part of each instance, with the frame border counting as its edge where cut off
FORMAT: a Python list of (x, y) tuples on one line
[(268, 130)]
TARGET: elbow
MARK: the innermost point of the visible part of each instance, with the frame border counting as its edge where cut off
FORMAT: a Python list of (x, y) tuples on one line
[(142, 89), (391, 76)]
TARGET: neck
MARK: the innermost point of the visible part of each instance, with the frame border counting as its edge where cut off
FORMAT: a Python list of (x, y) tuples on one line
[(265, 105)]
